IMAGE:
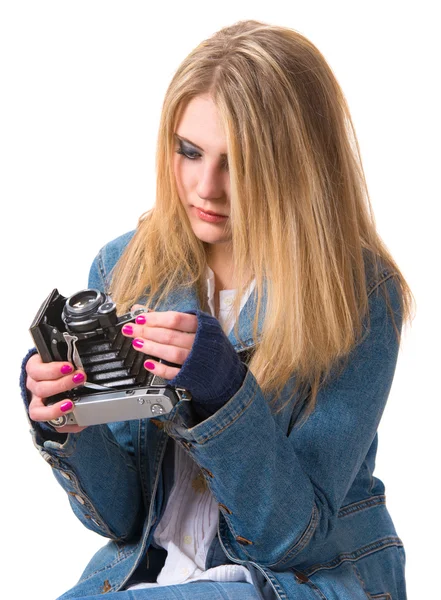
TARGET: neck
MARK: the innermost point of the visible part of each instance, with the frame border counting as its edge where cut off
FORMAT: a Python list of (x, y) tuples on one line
[(219, 259)]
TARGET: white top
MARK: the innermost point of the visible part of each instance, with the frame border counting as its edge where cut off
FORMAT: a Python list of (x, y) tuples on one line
[(189, 523)]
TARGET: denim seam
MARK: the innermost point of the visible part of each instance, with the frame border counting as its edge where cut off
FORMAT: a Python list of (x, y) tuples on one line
[(360, 579), (215, 431), (303, 541), (230, 553), (274, 582), (316, 590), (383, 276), (363, 551), (365, 504), (89, 507), (101, 268), (117, 560), (382, 596)]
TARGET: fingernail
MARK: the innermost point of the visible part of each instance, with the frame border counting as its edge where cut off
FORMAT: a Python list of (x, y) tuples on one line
[(141, 320), (66, 406), (127, 329), (149, 365), (78, 378), (138, 343), (65, 369)]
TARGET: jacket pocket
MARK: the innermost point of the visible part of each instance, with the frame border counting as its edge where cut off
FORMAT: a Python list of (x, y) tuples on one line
[(382, 574), (338, 583)]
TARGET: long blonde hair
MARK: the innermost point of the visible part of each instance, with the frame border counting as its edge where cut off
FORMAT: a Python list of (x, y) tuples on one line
[(300, 209)]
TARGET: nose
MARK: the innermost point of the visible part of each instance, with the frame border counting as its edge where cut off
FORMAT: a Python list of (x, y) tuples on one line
[(212, 182)]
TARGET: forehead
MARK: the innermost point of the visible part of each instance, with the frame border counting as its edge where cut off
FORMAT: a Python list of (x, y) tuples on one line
[(200, 124)]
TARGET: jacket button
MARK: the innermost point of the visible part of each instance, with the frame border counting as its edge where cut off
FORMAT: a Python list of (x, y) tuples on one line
[(65, 475), (77, 497), (207, 472), (243, 541), (225, 508), (106, 586), (301, 577)]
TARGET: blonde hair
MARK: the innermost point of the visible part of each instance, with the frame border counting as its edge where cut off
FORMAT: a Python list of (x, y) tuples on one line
[(300, 210)]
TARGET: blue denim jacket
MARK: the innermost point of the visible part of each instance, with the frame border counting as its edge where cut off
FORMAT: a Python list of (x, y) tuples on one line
[(298, 505)]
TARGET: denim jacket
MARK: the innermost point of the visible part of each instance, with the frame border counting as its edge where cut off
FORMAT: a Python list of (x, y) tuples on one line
[(299, 506)]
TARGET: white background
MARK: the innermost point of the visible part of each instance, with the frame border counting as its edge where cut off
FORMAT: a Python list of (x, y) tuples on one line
[(82, 85)]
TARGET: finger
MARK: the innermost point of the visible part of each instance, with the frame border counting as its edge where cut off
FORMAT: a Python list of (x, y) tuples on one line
[(38, 411), (168, 337), (171, 354), (160, 369), (40, 371), (170, 319), (44, 389)]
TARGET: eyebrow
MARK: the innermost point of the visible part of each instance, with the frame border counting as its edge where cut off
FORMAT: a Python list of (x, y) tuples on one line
[(182, 139)]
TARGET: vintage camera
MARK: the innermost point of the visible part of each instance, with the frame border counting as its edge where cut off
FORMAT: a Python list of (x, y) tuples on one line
[(85, 330)]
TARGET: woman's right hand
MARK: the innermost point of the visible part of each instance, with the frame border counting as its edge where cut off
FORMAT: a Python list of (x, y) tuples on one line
[(47, 379)]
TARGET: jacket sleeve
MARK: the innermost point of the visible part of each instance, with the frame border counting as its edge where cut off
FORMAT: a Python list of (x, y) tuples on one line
[(279, 493), (96, 467)]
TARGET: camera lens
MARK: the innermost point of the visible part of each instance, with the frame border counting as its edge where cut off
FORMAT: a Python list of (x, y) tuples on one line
[(80, 310), (84, 302)]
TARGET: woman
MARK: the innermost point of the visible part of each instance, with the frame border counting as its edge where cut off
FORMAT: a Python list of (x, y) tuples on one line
[(271, 292)]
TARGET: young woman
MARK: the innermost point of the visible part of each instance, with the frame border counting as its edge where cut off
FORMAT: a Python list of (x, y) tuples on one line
[(270, 289)]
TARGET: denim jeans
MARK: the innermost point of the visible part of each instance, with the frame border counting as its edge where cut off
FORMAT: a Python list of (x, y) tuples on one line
[(199, 590)]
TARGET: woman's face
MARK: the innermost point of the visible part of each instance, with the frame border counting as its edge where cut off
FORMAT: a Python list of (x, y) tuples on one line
[(201, 171)]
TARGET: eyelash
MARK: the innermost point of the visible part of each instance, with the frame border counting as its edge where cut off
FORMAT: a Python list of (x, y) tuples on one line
[(189, 155), (194, 156)]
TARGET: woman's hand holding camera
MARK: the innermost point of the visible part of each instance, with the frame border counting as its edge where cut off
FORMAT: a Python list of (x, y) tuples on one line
[(165, 335), (211, 369), (47, 379)]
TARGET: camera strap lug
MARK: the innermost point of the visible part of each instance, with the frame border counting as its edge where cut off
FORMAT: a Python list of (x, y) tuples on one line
[(72, 352), (183, 394)]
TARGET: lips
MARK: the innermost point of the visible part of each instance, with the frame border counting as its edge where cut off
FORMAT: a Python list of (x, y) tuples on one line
[(210, 212)]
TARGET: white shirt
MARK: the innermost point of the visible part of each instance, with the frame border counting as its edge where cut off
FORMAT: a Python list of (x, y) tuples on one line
[(189, 523)]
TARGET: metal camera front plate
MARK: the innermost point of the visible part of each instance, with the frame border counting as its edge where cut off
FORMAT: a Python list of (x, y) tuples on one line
[(123, 405)]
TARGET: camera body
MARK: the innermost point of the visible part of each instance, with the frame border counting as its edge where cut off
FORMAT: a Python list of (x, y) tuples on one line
[(85, 330)]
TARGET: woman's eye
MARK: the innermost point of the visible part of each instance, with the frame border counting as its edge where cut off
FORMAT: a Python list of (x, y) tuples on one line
[(188, 153), (193, 155)]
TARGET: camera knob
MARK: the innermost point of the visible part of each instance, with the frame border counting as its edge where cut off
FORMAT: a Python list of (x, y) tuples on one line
[(107, 308), (157, 409), (59, 421)]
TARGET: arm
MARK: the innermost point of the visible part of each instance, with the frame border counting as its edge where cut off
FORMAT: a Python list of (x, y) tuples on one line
[(295, 482), (96, 467)]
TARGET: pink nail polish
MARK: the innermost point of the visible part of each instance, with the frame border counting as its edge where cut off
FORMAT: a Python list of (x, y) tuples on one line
[(128, 329), (138, 343), (149, 365), (78, 378), (65, 369), (66, 406), (141, 320)]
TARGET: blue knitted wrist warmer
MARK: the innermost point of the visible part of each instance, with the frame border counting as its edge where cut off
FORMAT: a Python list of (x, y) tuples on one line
[(213, 372)]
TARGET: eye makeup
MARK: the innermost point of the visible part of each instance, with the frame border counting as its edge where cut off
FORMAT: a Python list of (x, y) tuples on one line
[(187, 151), (192, 152)]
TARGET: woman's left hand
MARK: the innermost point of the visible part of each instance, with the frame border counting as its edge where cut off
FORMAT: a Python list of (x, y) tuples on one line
[(165, 335)]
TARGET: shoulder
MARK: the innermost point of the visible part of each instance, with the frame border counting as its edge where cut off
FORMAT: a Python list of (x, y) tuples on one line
[(112, 251), (383, 286), (106, 259), (377, 271)]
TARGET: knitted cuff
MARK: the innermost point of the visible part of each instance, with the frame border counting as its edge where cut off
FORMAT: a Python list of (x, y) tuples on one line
[(213, 372)]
